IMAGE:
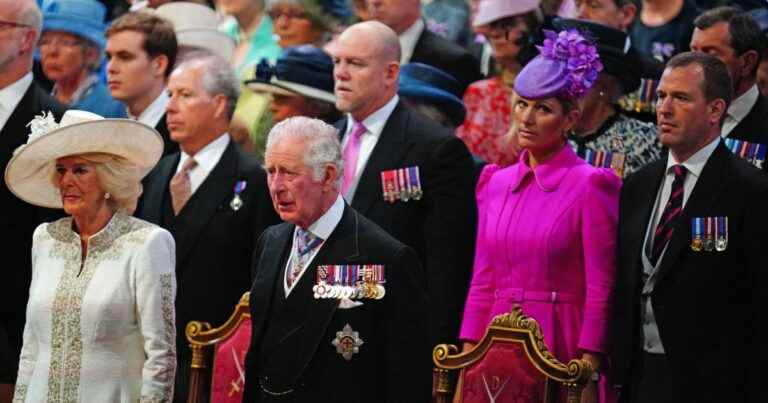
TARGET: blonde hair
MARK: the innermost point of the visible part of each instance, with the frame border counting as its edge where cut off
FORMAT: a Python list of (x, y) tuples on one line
[(118, 177)]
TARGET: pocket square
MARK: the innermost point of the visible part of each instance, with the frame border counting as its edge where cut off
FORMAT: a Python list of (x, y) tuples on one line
[(346, 303)]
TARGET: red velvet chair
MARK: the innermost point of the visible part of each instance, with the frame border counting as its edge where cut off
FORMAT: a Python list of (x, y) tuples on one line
[(510, 364), (229, 343)]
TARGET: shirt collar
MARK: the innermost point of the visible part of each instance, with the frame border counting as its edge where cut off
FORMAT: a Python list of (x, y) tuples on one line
[(154, 112), (375, 122), (695, 164), (11, 95), (741, 106), (325, 225), (548, 174), (208, 156), (408, 40)]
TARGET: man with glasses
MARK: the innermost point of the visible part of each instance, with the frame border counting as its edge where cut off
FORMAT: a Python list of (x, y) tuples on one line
[(20, 100)]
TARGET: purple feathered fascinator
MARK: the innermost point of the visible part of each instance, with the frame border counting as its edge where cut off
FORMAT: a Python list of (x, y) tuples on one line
[(568, 65)]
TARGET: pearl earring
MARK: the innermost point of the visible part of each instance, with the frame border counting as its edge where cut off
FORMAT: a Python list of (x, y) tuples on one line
[(107, 195)]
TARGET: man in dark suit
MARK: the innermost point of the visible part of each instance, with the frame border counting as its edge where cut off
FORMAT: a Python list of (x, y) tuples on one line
[(736, 39), (141, 49), (337, 305), (20, 101), (434, 210), (421, 45), (210, 195), (690, 323)]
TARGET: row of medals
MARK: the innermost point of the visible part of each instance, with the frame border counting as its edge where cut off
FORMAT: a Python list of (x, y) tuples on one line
[(337, 291), (708, 244)]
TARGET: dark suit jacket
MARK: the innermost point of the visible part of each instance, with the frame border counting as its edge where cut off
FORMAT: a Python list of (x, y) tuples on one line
[(214, 243), (439, 52), (169, 146), (441, 226), (754, 126), (18, 220), (291, 346), (710, 306)]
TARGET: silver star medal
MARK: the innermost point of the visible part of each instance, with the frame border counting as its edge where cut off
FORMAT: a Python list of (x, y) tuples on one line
[(347, 342)]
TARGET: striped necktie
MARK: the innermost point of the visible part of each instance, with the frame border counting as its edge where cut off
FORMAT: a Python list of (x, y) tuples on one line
[(672, 211)]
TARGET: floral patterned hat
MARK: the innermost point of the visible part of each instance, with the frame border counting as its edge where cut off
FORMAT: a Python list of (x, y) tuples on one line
[(567, 66), (30, 172)]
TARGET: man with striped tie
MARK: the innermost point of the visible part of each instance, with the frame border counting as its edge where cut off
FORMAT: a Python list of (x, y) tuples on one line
[(691, 227)]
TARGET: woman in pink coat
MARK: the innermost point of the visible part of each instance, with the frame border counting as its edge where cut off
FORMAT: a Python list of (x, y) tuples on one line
[(547, 225)]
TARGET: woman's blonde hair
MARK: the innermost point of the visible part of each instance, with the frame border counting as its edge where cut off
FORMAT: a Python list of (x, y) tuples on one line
[(118, 177)]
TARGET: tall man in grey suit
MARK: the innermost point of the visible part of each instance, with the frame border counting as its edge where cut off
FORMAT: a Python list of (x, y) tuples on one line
[(405, 172), (210, 195), (313, 338), (690, 323), (20, 100)]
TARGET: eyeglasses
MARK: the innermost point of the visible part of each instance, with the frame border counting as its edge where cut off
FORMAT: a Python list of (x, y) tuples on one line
[(290, 15), (58, 42), (10, 24)]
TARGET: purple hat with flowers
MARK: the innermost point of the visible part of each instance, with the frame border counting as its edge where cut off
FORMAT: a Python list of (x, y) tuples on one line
[(567, 66)]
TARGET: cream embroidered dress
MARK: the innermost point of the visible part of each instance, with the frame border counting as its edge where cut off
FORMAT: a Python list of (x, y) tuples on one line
[(104, 333)]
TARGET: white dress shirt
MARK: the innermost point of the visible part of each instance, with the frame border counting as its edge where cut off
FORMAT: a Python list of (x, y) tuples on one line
[(322, 228), (206, 158), (408, 40), (374, 125), (695, 164), (11, 95), (739, 109), (154, 112)]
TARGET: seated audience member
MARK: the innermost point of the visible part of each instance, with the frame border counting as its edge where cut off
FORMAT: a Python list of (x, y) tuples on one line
[(306, 339), (621, 15), (692, 226), (604, 135), (307, 22), (547, 225), (299, 84), (23, 99), (251, 29), (760, 15), (141, 51), (664, 27), (196, 28), (736, 39), (431, 92), (210, 195), (508, 26), (418, 44), (71, 48)]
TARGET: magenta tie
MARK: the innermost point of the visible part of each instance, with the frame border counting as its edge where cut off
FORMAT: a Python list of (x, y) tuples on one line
[(351, 152)]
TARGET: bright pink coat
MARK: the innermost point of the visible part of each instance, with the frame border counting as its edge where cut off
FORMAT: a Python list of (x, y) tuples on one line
[(546, 240)]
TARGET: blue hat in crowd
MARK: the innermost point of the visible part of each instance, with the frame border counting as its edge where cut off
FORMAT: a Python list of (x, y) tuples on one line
[(84, 18), (304, 70), (433, 86), (760, 15)]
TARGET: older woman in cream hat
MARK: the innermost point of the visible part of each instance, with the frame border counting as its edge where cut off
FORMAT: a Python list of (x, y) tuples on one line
[(100, 317)]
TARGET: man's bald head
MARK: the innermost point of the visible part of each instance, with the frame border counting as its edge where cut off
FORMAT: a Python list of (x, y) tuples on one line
[(25, 12), (17, 42), (381, 37), (366, 64)]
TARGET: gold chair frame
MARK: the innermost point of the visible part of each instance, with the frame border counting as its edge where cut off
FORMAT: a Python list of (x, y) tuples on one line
[(514, 327), (201, 337)]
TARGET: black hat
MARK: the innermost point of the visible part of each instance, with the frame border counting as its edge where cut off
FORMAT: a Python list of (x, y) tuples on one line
[(304, 70), (612, 47)]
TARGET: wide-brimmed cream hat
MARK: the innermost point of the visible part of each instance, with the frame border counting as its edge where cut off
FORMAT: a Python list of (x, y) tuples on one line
[(30, 172), (196, 26)]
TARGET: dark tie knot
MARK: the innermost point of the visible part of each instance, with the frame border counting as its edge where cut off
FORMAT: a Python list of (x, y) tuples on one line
[(680, 171)]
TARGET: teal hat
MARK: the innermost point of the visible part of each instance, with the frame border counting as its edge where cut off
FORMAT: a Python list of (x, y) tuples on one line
[(84, 18)]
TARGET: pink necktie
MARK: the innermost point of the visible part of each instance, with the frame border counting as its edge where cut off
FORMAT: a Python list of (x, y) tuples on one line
[(351, 152)]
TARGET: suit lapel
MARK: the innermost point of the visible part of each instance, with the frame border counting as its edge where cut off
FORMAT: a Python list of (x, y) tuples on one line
[(266, 284), (642, 206), (157, 187), (202, 206), (704, 194), (387, 154)]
